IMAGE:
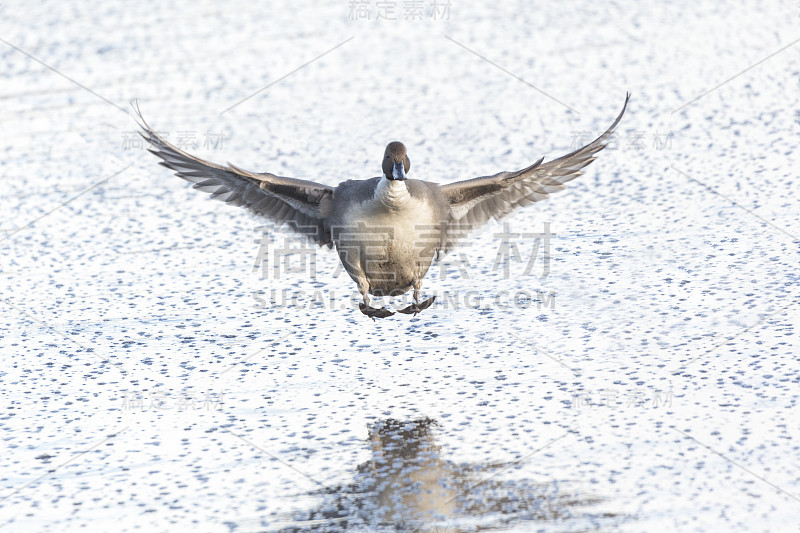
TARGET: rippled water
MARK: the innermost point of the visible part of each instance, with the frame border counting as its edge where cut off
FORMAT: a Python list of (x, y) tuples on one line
[(642, 376)]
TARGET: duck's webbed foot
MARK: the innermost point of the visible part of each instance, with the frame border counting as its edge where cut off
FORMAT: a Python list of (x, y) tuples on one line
[(417, 307), (374, 312)]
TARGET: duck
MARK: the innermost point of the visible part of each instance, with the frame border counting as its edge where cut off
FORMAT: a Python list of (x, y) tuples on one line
[(387, 230)]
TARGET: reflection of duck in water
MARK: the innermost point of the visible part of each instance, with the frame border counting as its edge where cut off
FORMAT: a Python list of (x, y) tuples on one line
[(412, 484), (407, 486)]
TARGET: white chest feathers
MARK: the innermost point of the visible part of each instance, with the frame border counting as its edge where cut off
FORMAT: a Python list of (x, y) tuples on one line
[(392, 193), (392, 207)]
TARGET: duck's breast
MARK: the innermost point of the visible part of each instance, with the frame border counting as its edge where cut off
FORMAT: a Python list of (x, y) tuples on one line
[(391, 243)]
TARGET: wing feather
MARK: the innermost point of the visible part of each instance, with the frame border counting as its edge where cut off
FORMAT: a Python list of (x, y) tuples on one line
[(473, 202), (301, 204)]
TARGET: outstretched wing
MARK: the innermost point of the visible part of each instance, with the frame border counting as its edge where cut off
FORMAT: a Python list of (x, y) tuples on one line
[(301, 204), (475, 201)]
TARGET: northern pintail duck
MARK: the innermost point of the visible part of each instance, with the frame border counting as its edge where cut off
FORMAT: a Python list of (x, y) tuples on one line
[(387, 230)]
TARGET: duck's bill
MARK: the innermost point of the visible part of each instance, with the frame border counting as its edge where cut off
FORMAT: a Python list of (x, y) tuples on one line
[(398, 172)]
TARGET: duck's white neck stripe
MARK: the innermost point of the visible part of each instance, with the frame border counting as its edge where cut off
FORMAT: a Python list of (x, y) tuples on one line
[(391, 192)]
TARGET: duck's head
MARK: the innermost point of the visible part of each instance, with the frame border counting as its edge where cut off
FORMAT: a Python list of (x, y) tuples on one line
[(395, 161)]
